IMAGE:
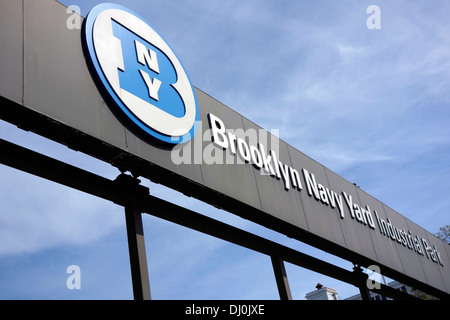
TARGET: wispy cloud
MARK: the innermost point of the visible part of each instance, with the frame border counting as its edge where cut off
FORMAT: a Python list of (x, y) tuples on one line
[(50, 216)]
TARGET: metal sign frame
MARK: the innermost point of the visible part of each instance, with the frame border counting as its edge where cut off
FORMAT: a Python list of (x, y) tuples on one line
[(323, 210), (126, 191)]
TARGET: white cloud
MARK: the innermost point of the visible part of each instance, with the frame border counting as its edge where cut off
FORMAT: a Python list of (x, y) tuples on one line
[(37, 215)]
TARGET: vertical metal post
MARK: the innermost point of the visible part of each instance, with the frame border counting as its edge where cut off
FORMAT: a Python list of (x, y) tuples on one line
[(364, 292), (136, 247), (362, 280), (282, 281)]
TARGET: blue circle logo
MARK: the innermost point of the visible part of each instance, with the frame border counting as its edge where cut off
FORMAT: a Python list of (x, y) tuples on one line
[(141, 73)]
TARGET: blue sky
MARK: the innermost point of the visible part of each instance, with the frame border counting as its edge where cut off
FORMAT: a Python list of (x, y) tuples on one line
[(371, 105)]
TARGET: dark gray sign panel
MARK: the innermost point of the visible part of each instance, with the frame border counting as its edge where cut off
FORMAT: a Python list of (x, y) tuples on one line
[(47, 87)]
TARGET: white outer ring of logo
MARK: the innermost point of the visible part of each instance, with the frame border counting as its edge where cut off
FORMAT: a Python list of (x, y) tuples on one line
[(109, 55)]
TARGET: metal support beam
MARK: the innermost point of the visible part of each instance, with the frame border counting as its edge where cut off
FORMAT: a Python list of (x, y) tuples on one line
[(281, 277), (135, 234), (361, 279), (63, 173), (365, 294)]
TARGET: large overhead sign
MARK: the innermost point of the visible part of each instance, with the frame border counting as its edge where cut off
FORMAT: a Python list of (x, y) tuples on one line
[(126, 99)]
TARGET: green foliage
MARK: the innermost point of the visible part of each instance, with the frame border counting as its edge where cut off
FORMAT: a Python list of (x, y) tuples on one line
[(444, 233)]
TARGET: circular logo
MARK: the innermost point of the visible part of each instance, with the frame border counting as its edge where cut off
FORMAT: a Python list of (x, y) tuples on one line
[(141, 73)]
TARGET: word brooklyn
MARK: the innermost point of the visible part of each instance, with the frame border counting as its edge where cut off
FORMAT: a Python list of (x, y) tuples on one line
[(268, 162)]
